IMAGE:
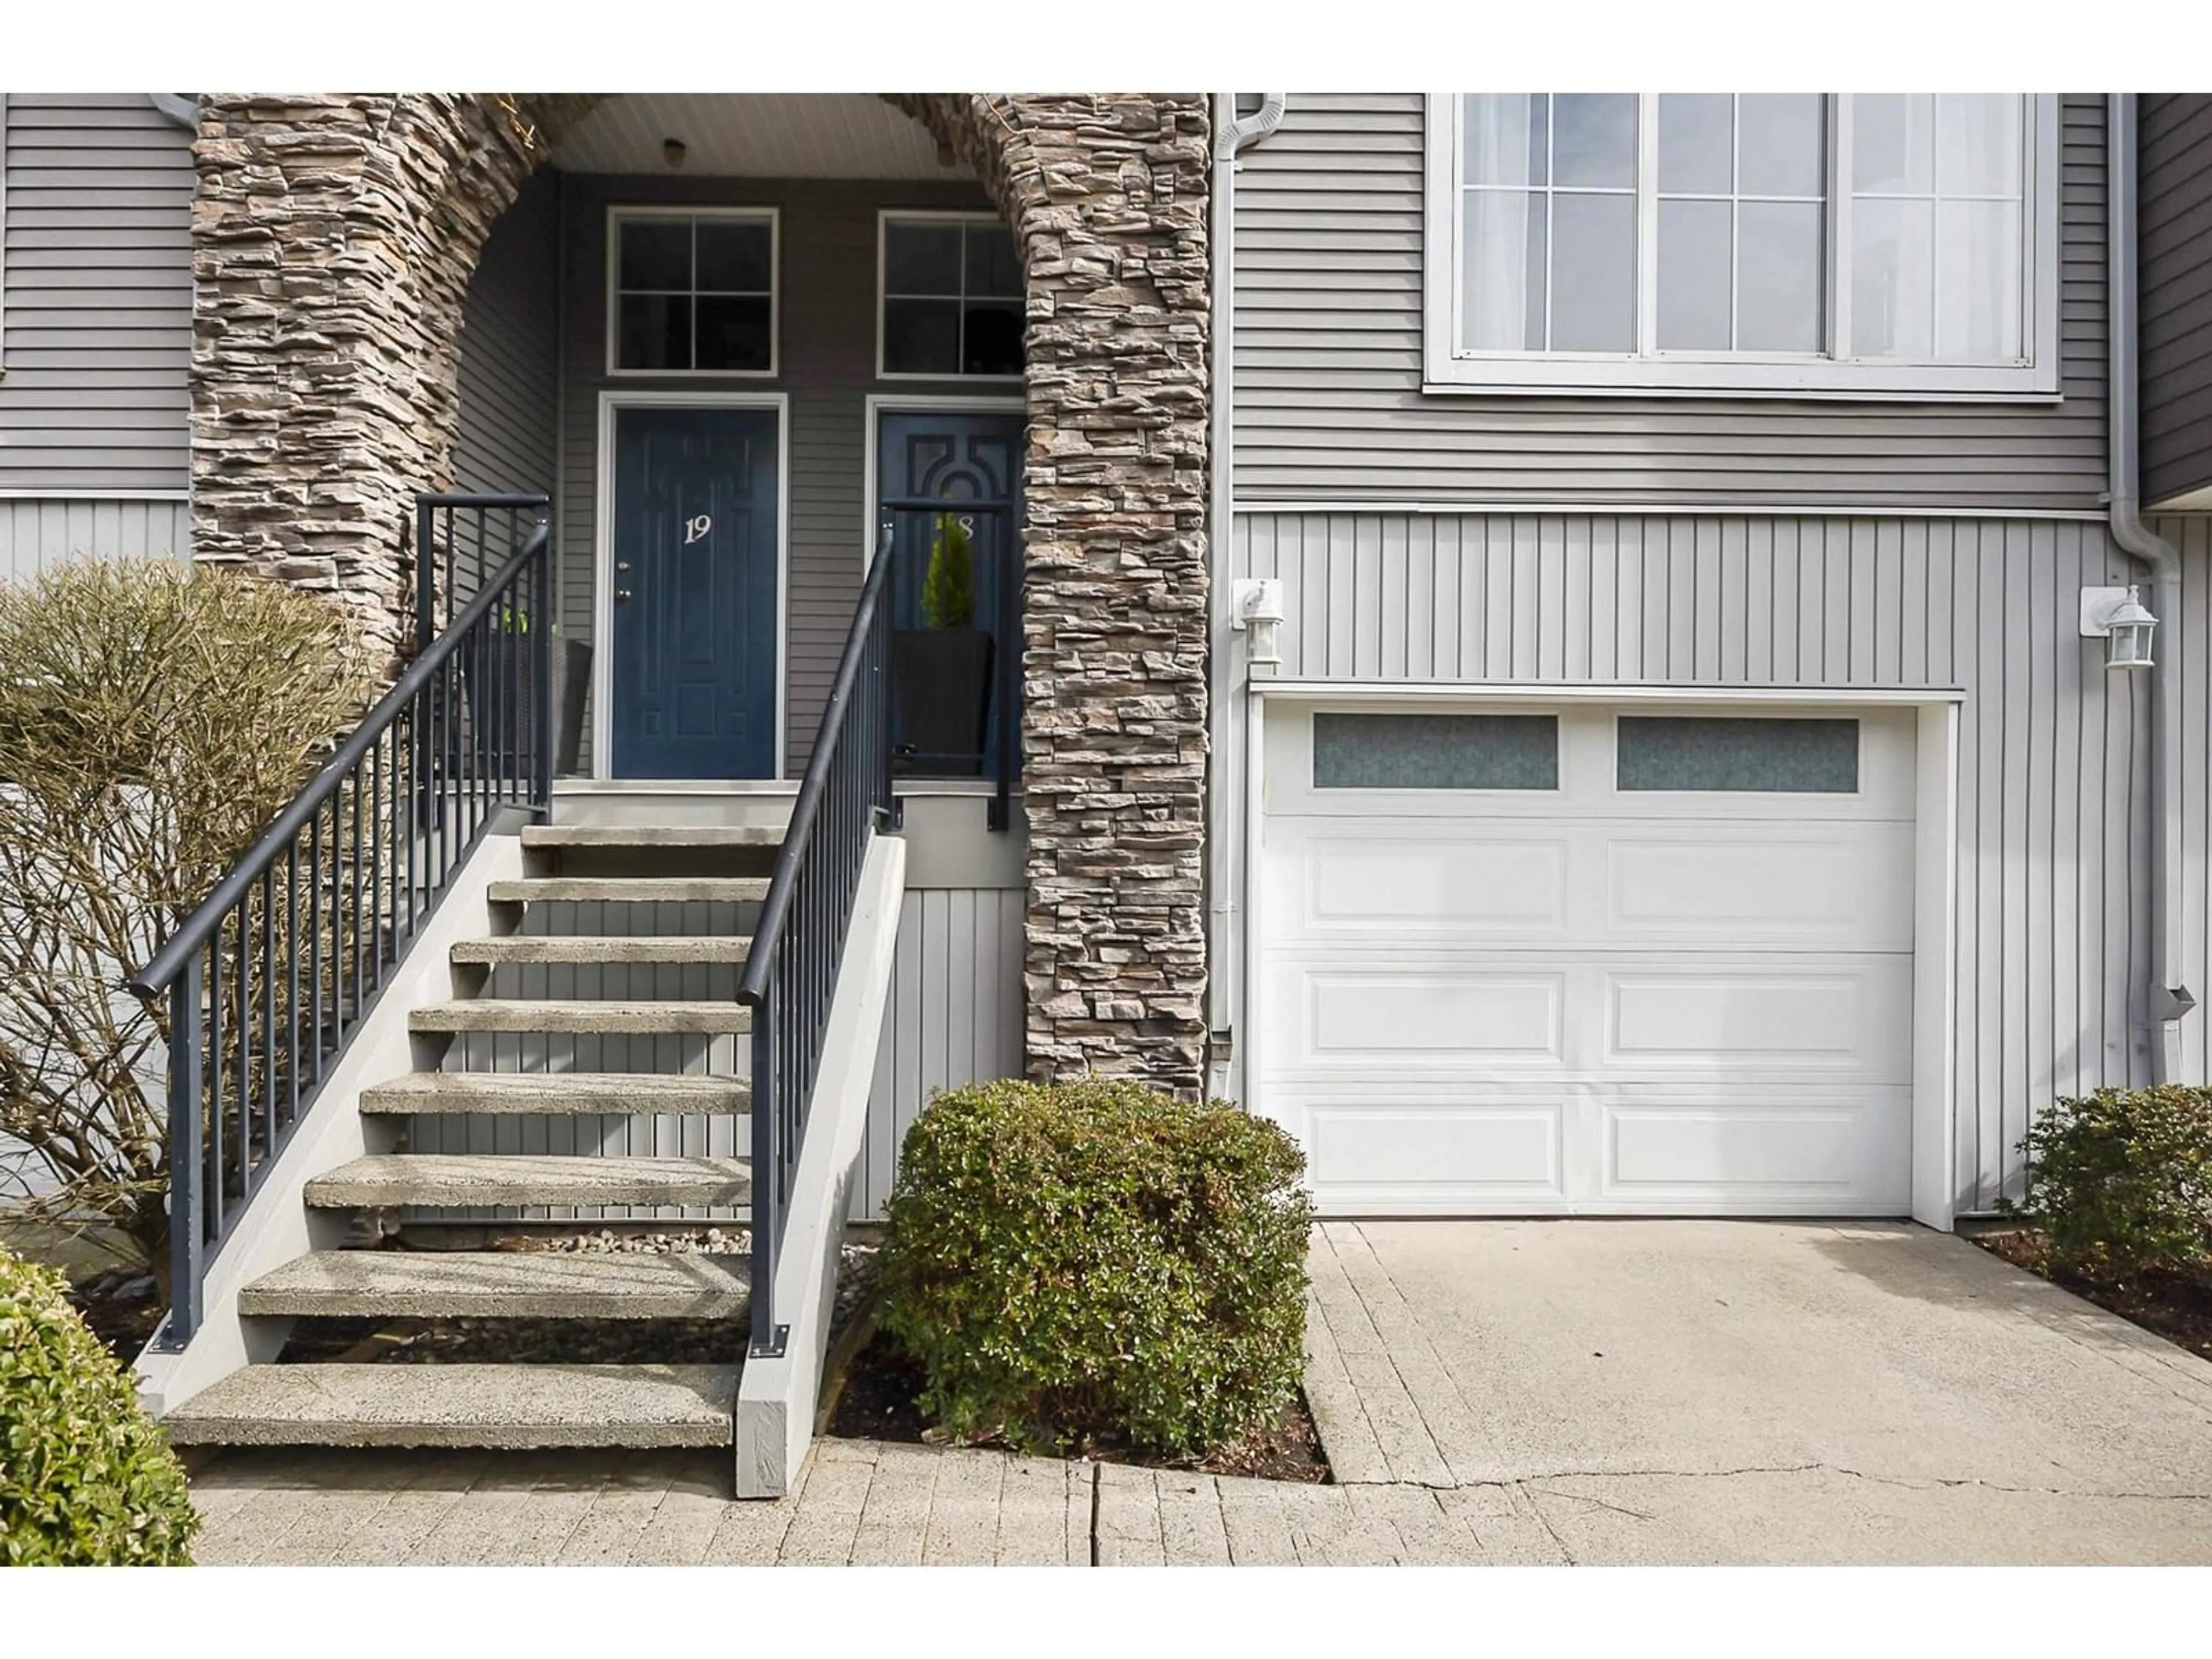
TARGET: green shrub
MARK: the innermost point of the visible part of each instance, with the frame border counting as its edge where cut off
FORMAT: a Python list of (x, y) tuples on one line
[(154, 717), (1098, 1259), (2121, 1181), (86, 1480)]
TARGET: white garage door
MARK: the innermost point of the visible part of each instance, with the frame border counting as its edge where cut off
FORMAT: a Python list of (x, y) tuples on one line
[(1590, 960)]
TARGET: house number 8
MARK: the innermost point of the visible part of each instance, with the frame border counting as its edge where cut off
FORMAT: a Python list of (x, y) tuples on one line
[(695, 528)]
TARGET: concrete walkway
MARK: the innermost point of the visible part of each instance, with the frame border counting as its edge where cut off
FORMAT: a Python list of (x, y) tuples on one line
[(859, 1503), (1488, 1393)]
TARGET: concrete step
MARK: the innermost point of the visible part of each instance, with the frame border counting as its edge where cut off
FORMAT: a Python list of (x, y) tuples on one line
[(557, 1093), (503, 1284), (631, 890), (593, 948), (536, 835), (493, 1406), (586, 1018), (457, 1180)]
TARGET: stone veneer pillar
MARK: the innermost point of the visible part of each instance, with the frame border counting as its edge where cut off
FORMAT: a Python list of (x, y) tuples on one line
[(333, 241), (333, 237), (1108, 197)]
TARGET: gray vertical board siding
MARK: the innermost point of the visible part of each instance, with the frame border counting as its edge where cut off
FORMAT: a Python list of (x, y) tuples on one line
[(2052, 903), (826, 363), (954, 1017), (509, 377), (35, 535), (1327, 366), (2175, 279), (95, 324)]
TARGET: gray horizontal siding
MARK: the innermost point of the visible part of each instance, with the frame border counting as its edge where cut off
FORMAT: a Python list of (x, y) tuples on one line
[(2175, 318), (509, 376), (954, 1017), (36, 535), (1327, 366), (826, 364), (95, 321), (2053, 936)]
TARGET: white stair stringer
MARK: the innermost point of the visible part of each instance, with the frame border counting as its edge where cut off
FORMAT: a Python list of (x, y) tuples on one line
[(777, 1395)]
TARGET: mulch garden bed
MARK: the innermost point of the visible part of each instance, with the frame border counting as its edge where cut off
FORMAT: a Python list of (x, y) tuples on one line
[(2175, 1306), (120, 1308), (883, 1383)]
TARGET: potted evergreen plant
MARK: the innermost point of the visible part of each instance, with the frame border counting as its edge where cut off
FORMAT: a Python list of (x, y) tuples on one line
[(942, 669), (571, 669)]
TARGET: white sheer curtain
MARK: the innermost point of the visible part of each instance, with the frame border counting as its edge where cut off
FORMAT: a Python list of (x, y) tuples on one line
[(1502, 263)]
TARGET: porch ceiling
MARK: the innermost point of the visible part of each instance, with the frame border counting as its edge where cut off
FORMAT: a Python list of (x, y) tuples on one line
[(756, 135)]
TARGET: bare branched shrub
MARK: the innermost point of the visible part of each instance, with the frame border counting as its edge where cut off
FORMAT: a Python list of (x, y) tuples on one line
[(153, 719)]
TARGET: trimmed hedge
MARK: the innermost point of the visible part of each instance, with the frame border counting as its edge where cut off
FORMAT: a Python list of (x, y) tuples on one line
[(86, 1480), (1098, 1258), (2120, 1181)]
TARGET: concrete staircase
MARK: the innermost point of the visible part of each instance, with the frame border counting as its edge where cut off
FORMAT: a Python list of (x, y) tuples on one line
[(605, 1017)]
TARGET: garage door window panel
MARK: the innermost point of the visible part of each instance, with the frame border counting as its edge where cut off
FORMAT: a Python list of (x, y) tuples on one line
[(1675, 754), (1436, 751)]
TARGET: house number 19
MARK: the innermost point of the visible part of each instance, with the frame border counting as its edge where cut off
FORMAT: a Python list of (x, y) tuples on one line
[(695, 528)]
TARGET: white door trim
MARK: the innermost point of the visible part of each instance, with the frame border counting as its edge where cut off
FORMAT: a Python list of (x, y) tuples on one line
[(603, 601), (880, 404), (1934, 876)]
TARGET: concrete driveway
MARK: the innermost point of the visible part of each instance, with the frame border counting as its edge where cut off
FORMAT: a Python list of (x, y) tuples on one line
[(1678, 1392)]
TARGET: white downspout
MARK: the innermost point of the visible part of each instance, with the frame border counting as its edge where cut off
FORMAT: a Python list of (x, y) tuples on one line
[(1225, 773), (2168, 997)]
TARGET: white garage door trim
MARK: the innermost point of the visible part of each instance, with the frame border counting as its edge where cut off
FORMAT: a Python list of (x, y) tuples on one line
[(1933, 1106)]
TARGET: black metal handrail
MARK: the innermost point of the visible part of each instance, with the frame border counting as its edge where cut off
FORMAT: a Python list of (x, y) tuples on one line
[(791, 973), (269, 979), (460, 539)]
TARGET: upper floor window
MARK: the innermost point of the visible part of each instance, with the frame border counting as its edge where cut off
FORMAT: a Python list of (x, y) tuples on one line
[(951, 297), (693, 290), (1791, 244)]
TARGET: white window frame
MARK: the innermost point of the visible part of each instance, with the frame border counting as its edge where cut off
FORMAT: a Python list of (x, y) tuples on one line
[(620, 213), (885, 217), (2033, 379)]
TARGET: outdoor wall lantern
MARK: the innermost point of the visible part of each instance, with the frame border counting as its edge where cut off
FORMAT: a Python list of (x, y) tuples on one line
[(1259, 611), (2116, 615)]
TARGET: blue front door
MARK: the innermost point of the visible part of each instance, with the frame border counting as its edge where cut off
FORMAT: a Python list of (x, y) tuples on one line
[(693, 573), (943, 475)]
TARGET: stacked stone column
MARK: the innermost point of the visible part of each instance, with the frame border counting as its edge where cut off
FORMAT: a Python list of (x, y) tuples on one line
[(1107, 196), (333, 238)]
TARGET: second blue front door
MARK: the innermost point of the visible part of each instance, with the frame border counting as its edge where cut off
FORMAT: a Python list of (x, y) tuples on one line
[(693, 572)]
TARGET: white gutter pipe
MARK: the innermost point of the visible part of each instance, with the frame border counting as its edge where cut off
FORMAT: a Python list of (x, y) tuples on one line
[(1224, 774), (2167, 998)]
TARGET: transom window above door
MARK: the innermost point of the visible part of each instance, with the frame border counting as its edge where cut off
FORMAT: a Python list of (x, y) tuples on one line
[(950, 298), (1789, 244), (691, 290)]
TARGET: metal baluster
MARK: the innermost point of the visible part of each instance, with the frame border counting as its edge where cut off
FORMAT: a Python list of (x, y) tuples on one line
[(414, 792), (375, 762), (292, 965), (360, 943), (315, 939), (186, 1176), (541, 576), (268, 1009), (245, 1039), (339, 949)]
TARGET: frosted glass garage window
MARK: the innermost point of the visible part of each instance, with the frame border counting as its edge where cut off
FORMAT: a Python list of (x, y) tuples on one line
[(1780, 757), (1436, 751)]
